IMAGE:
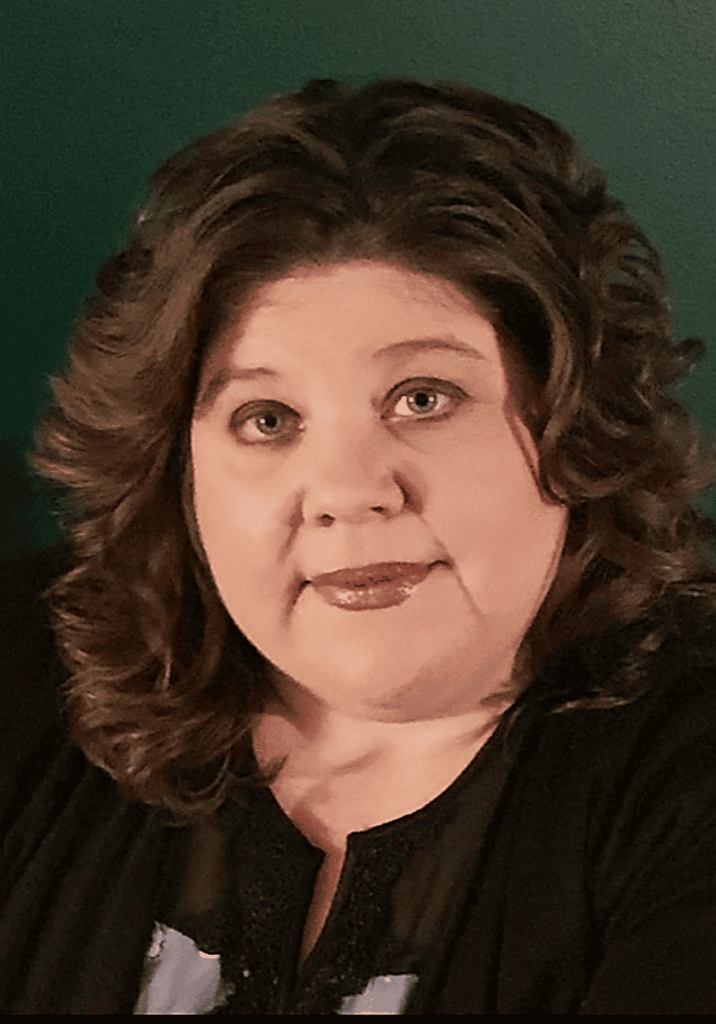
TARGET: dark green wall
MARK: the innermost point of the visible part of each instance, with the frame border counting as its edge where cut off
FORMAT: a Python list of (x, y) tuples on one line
[(96, 92)]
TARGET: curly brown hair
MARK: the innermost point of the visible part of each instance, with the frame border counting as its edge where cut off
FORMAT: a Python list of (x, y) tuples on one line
[(439, 178)]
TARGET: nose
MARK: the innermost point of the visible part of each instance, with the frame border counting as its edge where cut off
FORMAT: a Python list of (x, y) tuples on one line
[(353, 480)]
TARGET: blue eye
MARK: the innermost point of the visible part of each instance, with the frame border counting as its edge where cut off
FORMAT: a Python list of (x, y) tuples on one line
[(427, 399), (425, 402)]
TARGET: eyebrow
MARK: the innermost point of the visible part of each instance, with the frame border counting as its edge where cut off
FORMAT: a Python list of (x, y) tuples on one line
[(226, 375), (448, 342), (220, 381)]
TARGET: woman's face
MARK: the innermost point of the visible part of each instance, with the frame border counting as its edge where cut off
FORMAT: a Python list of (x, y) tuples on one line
[(362, 414)]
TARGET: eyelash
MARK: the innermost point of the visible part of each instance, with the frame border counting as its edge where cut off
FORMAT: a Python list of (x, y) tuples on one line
[(257, 411)]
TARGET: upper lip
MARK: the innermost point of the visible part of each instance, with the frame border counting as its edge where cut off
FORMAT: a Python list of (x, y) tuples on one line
[(378, 572)]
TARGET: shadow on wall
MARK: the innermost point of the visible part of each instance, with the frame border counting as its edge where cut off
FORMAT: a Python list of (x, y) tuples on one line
[(26, 523)]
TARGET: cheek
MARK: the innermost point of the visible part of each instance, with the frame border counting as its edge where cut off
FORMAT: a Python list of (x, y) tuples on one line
[(227, 509), (241, 524), (233, 538), (486, 508), (480, 477), (230, 524)]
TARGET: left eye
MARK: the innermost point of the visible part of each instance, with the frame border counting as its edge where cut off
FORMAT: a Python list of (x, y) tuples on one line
[(424, 401), (420, 402)]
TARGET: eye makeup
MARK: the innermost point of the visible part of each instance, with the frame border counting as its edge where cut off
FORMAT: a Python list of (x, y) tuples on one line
[(257, 423)]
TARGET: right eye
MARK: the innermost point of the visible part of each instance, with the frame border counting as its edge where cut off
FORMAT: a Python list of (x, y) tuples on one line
[(265, 424)]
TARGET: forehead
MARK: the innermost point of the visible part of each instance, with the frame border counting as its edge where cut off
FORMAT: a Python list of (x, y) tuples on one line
[(359, 301), (359, 280)]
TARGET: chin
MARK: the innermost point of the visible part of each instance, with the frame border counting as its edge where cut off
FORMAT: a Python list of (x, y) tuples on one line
[(362, 688)]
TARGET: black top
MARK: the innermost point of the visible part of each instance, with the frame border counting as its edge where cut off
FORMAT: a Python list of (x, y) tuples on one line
[(396, 894), (571, 868)]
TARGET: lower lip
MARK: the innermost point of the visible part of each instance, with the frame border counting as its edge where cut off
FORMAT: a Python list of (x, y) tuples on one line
[(379, 595)]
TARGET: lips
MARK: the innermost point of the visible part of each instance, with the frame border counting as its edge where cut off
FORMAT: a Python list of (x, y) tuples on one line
[(381, 585), (372, 575)]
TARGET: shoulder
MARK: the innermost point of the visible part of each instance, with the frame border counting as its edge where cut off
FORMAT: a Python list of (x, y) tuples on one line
[(28, 645), (31, 725), (613, 812), (678, 682), (646, 767)]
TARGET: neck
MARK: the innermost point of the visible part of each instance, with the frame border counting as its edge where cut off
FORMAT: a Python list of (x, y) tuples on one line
[(322, 741)]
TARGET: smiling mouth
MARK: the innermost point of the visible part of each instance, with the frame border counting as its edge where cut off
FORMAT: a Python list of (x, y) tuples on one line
[(381, 585)]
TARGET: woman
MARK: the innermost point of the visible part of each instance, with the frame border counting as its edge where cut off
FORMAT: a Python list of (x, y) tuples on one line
[(387, 625)]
